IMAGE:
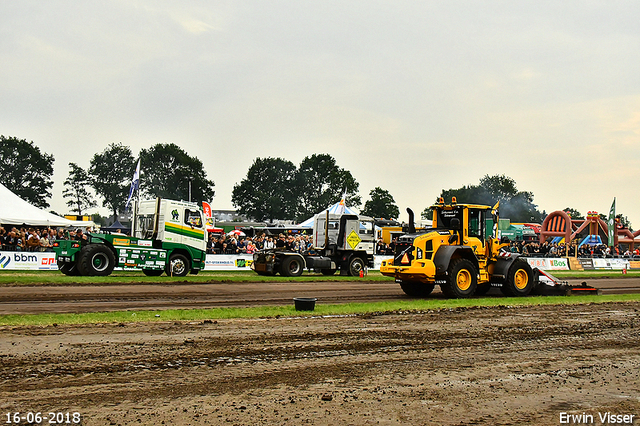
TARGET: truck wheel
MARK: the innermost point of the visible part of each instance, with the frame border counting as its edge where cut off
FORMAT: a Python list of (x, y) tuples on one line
[(416, 288), (178, 266), (462, 279), (152, 272), (519, 279), (96, 260), (291, 267), (356, 264)]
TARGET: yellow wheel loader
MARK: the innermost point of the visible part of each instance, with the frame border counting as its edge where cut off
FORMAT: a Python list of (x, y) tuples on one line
[(459, 254)]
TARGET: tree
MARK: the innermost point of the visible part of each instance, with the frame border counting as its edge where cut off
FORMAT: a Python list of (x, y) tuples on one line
[(169, 172), (515, 205), (573, 213), (110, 173), (76, 190), (25, 170), (321, 183), (268, 190), (381, 205)]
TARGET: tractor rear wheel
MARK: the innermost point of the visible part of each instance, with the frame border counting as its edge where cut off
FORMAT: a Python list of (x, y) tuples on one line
[(96, 260), (519, 280), (416, 288), (461, 280)]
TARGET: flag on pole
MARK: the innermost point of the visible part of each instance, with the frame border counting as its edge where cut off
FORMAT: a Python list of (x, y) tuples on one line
[(611, 223), (135, 184), (341, 206)]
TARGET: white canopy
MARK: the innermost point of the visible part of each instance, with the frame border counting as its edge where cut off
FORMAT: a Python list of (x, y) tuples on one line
[(334, 209), (15, 211)]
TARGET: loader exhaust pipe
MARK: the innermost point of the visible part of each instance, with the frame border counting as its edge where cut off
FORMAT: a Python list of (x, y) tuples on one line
[(412, 224)]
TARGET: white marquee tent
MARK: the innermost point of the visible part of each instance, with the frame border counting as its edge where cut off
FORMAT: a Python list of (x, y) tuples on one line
[(15, 211), (334, 209)]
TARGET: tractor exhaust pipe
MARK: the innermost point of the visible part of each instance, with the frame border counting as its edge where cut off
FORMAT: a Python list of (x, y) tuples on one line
[(412, 224)]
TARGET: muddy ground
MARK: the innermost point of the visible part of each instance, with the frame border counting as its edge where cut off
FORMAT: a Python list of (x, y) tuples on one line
[(493, 366)]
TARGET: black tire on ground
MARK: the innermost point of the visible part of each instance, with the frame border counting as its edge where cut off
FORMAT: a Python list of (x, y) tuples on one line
[(152, 272), (355, 266), (328, 271), (462, 279), (292, 266), (69, 269), (96, 260), (178, 265), (416, 288), (519, 280)]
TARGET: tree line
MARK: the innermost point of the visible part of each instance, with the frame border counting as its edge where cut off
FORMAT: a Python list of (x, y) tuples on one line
[(27, 172), (273, 189)]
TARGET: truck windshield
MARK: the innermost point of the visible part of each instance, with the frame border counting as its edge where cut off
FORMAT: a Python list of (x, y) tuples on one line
[(193, 218), (443, 217)]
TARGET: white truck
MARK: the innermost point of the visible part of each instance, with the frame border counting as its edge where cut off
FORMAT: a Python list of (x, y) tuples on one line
[(340, 242), (166, 236)]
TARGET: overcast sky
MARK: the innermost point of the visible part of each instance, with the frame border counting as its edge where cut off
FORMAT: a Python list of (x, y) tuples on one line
[(410, 96)]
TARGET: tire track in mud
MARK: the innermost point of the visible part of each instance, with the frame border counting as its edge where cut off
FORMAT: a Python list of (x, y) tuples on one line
[(136, 363)]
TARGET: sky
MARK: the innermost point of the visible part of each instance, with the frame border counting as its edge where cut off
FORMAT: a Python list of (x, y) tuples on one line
[(410, 96)]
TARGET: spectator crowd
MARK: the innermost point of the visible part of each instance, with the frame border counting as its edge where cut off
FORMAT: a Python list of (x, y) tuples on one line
[(42, 239), (239, 244), (35, 239)]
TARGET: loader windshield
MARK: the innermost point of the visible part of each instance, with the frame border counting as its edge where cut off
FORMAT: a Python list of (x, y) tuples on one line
[(443, 217)]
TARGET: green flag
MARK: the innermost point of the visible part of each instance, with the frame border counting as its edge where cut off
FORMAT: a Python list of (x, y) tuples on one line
[(611, 223)]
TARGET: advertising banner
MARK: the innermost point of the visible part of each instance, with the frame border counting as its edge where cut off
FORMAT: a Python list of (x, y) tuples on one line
[(228, 262), (26, 260), (548, 264), (618, 264)]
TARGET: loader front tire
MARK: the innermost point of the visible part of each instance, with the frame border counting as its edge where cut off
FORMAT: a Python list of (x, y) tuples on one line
[(461, 280)]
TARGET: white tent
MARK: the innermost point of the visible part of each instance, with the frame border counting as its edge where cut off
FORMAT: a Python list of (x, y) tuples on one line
[(334, 209), (15, 211)]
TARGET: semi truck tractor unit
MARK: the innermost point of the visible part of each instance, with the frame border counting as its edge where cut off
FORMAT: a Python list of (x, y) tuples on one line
[(166, 236), (344, 243), (457, 255)]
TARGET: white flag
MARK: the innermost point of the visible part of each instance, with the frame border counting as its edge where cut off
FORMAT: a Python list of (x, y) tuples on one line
[(135, 184)]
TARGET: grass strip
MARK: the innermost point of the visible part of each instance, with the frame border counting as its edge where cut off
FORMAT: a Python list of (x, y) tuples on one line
[(16, 278), (409, 305)]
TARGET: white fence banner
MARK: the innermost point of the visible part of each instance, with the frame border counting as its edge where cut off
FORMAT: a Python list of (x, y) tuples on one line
[(611, 263), (548, 263), (228, 262), (27, 260)]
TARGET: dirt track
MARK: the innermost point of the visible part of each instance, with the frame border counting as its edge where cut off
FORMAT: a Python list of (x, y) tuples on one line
[(497, 366), (107, 297)]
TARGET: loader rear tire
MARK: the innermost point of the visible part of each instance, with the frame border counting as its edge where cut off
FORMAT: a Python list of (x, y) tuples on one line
[(461, 280), (519, 280), (416, 288)]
